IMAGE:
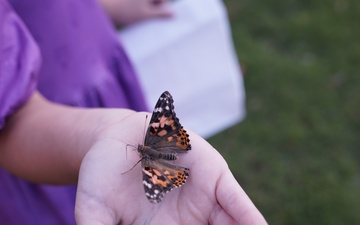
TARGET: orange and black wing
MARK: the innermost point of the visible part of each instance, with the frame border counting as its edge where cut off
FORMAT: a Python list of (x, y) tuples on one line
[(160, 177), (165, 132)]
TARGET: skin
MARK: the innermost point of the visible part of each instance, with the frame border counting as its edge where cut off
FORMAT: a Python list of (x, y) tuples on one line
[(54, 144), (131, 11)]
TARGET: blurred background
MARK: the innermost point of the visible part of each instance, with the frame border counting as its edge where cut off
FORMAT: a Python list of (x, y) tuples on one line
[(297, 153)]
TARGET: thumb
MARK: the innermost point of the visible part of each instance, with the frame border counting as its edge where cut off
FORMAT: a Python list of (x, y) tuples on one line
[(235, 202)]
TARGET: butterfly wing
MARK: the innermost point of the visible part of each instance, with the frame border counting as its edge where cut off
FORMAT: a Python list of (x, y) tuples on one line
[(160, 177), (165, 132), (164, 138)]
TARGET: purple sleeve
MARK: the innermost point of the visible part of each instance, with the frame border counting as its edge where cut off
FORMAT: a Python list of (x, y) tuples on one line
[(19, 62)]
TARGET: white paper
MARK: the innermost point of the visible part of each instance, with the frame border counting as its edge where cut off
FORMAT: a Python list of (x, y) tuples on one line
[(191, 56)]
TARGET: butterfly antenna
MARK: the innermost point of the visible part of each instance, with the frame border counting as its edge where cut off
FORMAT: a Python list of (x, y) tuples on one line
[(132, 167), (144, 131)]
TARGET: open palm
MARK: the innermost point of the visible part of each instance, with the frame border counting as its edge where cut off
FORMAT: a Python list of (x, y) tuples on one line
[(211, 195)]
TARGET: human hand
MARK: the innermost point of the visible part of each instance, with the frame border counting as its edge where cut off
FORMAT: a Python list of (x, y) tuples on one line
[(94, 142), (211, 195), (130, 11)]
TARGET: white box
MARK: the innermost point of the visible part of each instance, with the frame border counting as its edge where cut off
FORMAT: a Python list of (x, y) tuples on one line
[(192, 56)]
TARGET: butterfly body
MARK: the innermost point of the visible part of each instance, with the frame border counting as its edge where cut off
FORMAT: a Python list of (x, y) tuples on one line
[(155, 154), (165, 139)]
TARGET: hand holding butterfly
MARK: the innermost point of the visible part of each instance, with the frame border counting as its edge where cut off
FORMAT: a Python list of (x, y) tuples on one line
[(211, 195), (49, 143)]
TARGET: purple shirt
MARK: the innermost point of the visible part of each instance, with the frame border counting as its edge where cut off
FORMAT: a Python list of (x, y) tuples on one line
[(82, 64)]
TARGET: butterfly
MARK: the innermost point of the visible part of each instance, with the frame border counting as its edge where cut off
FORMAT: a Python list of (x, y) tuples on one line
[(165, 138)]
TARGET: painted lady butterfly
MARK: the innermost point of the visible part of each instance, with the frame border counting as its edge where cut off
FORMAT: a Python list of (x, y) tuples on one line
[(165, 138)]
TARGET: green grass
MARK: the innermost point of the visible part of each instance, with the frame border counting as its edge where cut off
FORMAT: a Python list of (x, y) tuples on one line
[(297, 153)]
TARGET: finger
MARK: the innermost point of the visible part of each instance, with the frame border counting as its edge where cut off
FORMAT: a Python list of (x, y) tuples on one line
[(158, 2), (160, 8), (236, 203)]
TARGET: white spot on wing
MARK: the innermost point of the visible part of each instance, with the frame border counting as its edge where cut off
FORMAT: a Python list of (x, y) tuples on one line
[(147, 184), (158, 109)]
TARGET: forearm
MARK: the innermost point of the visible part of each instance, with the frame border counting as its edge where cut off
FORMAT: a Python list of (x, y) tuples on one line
[(45, 142)]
